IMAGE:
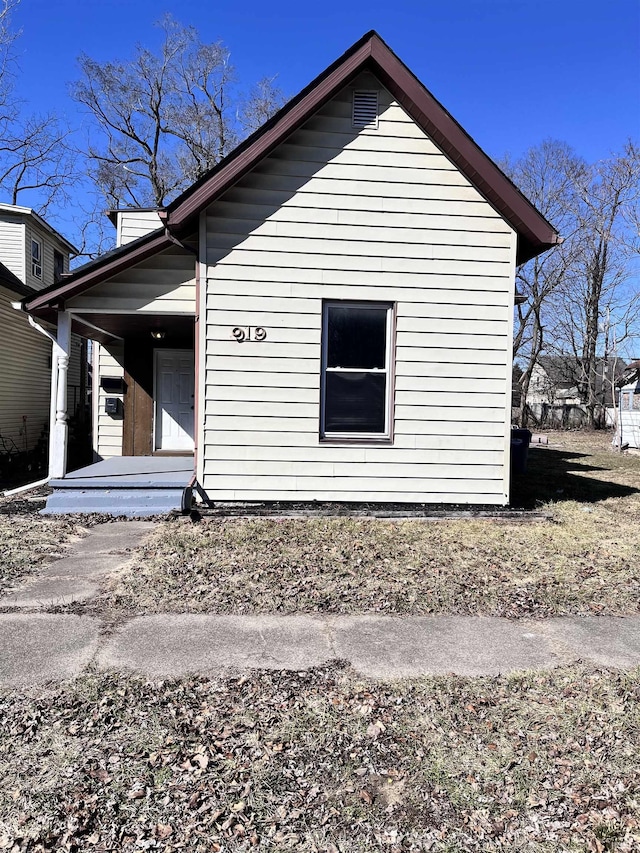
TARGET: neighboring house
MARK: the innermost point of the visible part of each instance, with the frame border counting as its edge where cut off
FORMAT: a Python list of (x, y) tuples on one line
[(626, 415), (327, 314), (33, 256), (556, 380)]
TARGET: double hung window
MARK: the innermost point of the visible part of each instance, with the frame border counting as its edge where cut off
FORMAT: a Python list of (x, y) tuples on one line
[(356, 370)]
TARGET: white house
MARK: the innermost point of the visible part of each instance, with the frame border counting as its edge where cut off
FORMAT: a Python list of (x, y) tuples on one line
[(33, 256), (327, 314), (625, 417)]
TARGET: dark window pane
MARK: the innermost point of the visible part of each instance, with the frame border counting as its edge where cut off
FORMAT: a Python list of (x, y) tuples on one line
[(356, 337), (355, 402)]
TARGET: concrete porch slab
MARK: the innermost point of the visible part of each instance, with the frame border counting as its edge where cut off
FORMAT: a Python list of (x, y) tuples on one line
[(158, 472)]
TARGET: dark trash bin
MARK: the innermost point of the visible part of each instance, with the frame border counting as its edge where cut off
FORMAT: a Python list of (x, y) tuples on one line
[(520, 441)]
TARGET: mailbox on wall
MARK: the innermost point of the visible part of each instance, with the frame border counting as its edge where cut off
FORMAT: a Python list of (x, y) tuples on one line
[(113, 407)]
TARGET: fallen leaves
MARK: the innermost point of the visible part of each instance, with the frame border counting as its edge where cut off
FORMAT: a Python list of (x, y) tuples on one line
[(315, 761), (579, 563)]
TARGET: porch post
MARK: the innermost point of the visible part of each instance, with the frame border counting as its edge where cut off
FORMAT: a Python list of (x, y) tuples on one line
[(59, 428)]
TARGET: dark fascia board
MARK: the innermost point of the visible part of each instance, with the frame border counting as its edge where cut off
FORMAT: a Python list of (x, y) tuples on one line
[(535, 233), (257, 146), (372, 53), (96, 271)]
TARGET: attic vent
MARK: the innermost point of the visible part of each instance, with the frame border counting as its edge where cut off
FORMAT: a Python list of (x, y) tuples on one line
[(365, 109)]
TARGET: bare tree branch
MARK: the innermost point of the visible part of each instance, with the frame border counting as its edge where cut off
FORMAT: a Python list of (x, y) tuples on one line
[(164, 118)]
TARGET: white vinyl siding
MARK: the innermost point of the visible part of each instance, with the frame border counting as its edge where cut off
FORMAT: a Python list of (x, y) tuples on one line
[(25, 356), (12, 244), (163, 284), (107, 429), (338, 213), (132, 224), (33, 232)]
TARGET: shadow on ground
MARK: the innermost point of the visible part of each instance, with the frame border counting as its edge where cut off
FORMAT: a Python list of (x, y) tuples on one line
[(560, 475)]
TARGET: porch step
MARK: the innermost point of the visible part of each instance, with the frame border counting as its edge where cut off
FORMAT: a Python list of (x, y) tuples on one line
[(130, 502)]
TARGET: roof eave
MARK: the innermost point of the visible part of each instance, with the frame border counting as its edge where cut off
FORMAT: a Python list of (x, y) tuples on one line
[(182, 210), (132, 253)]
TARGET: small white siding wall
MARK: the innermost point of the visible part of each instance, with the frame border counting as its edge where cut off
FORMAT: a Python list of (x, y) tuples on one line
[(132, 224), (163, 284), (630, 422), (12, 241), (365, 215), (107, 429), (25, 376)]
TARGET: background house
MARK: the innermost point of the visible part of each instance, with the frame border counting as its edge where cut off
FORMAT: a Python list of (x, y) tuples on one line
[(556, 395), (626, 415), (33, 256)]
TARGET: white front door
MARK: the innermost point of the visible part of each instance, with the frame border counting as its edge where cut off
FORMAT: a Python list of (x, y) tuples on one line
[(174, 390)]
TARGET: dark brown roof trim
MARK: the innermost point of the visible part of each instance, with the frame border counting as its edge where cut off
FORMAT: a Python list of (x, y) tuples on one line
[(112, 214), (243, 158), (371, 52), (108, 265), (535, 233)]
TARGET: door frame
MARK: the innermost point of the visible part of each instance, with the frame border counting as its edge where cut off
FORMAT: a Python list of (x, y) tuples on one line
[(154, 433)]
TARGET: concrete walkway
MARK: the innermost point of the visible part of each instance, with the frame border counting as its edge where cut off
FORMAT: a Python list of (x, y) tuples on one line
[(37, 647)]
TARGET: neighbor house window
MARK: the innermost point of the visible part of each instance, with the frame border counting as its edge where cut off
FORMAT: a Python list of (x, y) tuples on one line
[(58, 265), (36, 258), (356, 370)]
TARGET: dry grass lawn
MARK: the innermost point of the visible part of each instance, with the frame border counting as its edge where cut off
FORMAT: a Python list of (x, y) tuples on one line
[(320, 761), (583, 560), (27, 539), (323, 761)]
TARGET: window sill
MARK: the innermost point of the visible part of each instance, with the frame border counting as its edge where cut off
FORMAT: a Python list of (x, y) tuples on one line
[(359, 439)]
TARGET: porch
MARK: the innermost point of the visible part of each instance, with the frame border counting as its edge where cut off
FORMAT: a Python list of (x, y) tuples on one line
[(133, 486)]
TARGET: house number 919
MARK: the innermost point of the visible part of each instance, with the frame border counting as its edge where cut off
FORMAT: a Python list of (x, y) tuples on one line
[(249, 333)]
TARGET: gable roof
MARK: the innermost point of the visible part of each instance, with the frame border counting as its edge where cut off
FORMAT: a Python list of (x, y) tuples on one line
[(370, 53), (18, 210)]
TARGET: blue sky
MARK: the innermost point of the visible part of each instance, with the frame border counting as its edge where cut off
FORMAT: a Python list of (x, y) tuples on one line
[(512, 72)]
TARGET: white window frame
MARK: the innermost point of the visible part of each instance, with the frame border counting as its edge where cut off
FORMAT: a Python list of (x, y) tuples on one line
[(385, 437), (36, 262)]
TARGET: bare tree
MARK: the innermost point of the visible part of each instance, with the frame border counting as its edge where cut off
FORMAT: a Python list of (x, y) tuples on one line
[(263, 101), (631, 159), (547, 175), (163, 119), (8, 37), (37, 159), (594, 305)]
